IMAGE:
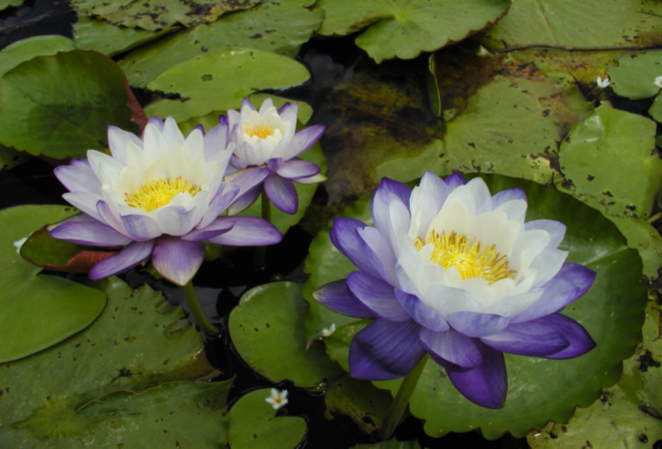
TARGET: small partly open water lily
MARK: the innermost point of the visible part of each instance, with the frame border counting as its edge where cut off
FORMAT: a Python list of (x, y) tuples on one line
[(277, 398), (451, 270), (658, 81), (602, 83), (266, 154), (160, 195)]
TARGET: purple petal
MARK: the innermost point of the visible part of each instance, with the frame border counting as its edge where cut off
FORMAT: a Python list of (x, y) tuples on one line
[(507, 195), (215, 141), (533, 339), (282, 193), (379, 252), (385, 350), (111, 220), (78, 178), (123, 261), (476, 324), (421, 313), (249, 188), (486, 384), (275, 163), (580, 341), (337, 297), (246, 103), (200, 128), (243, 202), (297, 168), (89, 234), (437, 187), (237, 163), (377, 295), (249, 231), (345, 237), (303, 140), (451, 347), (570, 283), (387, 191), (177, 260), (455, 180), (141, 227), (155, 121), (226, 194), (556, 230), (287, 106), (217, 227), (176, 220), (85, 201)]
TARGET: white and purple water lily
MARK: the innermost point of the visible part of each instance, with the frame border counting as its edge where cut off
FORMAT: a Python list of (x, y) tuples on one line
[(453, 271), (265, 154), (160, 195)]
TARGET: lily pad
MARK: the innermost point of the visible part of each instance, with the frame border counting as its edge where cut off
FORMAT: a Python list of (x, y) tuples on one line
[(99, 35), (160, 417), (138, 343), (539, 389), (589, 23), (267, 330), (4, 4), (38, 311), (404, 28), (160, 14), (656, 109), (609, 162), (24, 50), (253, 424), (10, 158), (390, 444), (627, 409), (279, 26), (644, 238), (216, 80), (43, 114), (635, 75)]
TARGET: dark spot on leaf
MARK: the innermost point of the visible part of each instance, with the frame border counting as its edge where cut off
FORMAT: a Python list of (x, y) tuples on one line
[(471, 144), (590, 178), (256, 36), (646, 361), (631, 207), (256, 329), (643, 438), (204, 49), (268, 325), (206, 77), (608, 193)]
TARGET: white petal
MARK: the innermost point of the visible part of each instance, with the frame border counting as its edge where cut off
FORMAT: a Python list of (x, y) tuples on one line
[(481, 195), (454, 216)]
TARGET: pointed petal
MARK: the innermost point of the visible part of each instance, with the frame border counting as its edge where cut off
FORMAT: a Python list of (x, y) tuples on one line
[(377, 295), (476, 324), (140, 227), (282, 193), (171, 132), (78, 178), (118, 139), (451, 347), (385, 350), (337, 297), (224, 197), (250, 178), (455, 180), (387, 191), (85, 201), (249, 231), (556, 230), (217, 227), (109, 218), (244, 201), (176, 220), (421, 313), (123, 261), (345, 237), (507, 195), (297, 168), (92, 233), (215, 142), (533, 339), (580, 340), (275, 163), (303, 140), (156, 122), (177, 260)]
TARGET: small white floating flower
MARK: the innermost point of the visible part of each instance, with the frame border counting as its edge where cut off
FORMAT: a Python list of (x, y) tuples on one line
[(277, 399), (327, 332), (602, 83), (18, 244), (658, 81)]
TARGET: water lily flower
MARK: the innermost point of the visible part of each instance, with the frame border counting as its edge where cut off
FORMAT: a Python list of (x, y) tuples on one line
[(327, 332), (277, 399), (266, 150), (658, 81), (160, 195), (602, 83), (451, 270)]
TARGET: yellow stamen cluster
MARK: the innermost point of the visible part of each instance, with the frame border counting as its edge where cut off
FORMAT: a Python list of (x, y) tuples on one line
[(472, 258), (261, 131), (156, 193)]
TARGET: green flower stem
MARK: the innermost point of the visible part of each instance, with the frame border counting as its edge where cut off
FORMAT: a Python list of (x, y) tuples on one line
[(261, 251), (399, 404), (199, 317), (655, 217)]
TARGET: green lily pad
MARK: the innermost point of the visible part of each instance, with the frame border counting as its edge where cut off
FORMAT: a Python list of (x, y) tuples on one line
[(390, 444), (267, 330), (160, 14), (589, 23), (138, 343), (10, 158), (24, 50), (160, 417), (656, 110), (279, 26), (216, 80), (38, 311), (404, 28), (44, 114), (626, 409), (99, 35), (539, 389), (253, 424), (609, 162), (635, 75), (4, 4), (644, 238)]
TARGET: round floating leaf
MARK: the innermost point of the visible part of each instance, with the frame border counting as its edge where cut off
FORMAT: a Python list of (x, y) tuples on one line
[(139, 342), (656, 110), (37, 311), (253, 424), (609, 162), (279, 26), (159, 14), (644, 238), (106, 38), (214, 81), (4, 4), (539, 389), (10, 158), (390, 444), (635, 75), (589, 23), (178, 414), (26, 49), (60, 106), (267, 330), (404, 28)]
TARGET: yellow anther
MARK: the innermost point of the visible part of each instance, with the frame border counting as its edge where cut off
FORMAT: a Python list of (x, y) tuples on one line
[(157, 193), (261, 131)]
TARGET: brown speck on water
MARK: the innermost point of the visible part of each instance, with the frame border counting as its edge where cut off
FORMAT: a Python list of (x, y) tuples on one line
[(612, 315)]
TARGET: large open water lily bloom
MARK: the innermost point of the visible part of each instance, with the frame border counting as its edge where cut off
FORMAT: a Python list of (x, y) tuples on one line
[(266, 150), (160, 195), (451, 270)]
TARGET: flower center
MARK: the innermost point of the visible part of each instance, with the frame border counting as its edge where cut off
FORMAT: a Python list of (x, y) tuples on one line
[(156, 193), (261, 131), (278, 400), (472, 258)]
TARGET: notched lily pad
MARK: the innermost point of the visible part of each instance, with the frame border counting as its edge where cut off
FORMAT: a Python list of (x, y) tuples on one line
[(4, 4), (635, 75), (404, 28)]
